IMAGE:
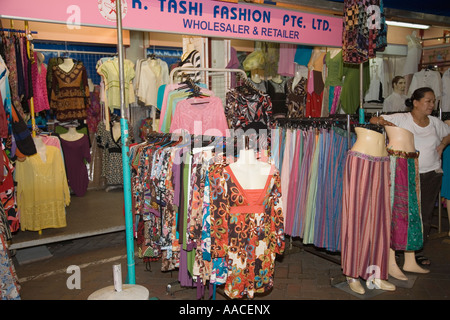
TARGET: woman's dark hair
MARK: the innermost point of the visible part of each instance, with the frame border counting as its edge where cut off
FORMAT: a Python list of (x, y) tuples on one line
[(396, 80), (417, 95)]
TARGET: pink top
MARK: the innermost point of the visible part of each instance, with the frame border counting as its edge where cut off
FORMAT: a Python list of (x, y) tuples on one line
[(200, 116)]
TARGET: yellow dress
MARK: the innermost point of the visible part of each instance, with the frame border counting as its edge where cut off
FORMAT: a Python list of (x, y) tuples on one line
[(42, 191)]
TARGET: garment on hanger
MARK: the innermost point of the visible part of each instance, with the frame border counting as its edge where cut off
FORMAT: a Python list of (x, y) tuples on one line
[(286, 62), (153, 73), (42, 176), (426, 78), (70, 96), (363, 36), (39, 75), (108, 69), (413, 55), (200, 116), (445, 102)]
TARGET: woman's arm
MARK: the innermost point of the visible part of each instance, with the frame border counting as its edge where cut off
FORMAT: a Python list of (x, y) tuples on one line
[(380, 121)]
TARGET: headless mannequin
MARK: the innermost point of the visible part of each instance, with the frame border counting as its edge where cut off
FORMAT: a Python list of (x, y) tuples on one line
[(256, 78), (300, 72), (40, 148), (67, 65), (277, 79), (402, 140), (72, 134), (371, 143), (116, 132), (250, 172)]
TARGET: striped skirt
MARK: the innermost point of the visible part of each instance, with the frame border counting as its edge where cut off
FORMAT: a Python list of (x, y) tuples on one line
[(366, 216), (406, 224)]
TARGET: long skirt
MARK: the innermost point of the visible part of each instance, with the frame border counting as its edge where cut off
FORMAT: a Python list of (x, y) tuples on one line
[(366, 217), (406, 224)]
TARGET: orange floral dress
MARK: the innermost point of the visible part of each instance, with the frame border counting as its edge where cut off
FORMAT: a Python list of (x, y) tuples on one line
[(247, 229)]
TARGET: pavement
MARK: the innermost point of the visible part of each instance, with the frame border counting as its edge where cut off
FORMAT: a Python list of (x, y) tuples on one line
[(302, 273)]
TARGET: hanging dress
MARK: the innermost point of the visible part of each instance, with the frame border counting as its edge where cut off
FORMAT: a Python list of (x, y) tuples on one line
[(246, 229)]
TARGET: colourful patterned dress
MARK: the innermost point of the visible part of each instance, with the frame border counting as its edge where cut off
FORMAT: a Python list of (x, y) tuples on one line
[(247, 229)]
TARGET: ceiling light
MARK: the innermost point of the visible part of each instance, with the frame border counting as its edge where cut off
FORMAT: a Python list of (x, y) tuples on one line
[(407, 25)]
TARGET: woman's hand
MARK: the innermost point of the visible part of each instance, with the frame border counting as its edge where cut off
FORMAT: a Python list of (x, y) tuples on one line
[(380, 121)]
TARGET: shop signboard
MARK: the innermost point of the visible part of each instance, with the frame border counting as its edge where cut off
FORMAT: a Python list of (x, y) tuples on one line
[(196, 17)]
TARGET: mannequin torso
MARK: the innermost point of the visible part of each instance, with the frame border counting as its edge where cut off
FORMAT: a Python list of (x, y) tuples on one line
[(40, 148), (250, 172), (116, 132), (67, 65), (370, 142), (72, 134), (400, 139)]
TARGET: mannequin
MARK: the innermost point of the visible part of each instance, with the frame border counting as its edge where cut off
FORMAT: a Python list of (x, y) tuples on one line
[(72, 134), (256, 78), (300, 72), (370, 143), (402, 140), (277, 79), (67, 65), (396, 101), (116, 131), (40, 148), (249, 171)]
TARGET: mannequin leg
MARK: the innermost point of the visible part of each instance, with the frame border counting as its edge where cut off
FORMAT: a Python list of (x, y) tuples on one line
[(355, 285), (411, 263), (394, 270)]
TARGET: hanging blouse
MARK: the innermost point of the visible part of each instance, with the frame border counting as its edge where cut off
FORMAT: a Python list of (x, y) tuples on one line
[(70, 96), (109, 70), (47, 182), (246, 229)]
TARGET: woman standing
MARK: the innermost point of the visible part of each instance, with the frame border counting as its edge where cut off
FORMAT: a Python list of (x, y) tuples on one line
[(431, 136)]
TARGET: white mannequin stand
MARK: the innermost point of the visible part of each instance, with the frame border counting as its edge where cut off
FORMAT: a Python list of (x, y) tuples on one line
[(250, 172), (402, 140), (371, 143)]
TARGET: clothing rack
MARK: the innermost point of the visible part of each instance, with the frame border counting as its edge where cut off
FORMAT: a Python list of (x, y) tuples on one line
[(350, 120)]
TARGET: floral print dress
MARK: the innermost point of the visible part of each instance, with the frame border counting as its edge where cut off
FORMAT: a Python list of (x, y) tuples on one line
[(247, 229)]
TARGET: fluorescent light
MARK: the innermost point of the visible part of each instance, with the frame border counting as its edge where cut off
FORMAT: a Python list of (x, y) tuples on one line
[(407, 25)]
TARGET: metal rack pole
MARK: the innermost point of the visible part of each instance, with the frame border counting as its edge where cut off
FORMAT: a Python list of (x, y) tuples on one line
[(131, 277)]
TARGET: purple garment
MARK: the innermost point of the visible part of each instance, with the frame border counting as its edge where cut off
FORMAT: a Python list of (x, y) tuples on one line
[(233, 64), (75, 154)]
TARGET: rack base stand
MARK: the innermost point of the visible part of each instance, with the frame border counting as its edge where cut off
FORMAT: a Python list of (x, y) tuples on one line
[(129, 292)]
